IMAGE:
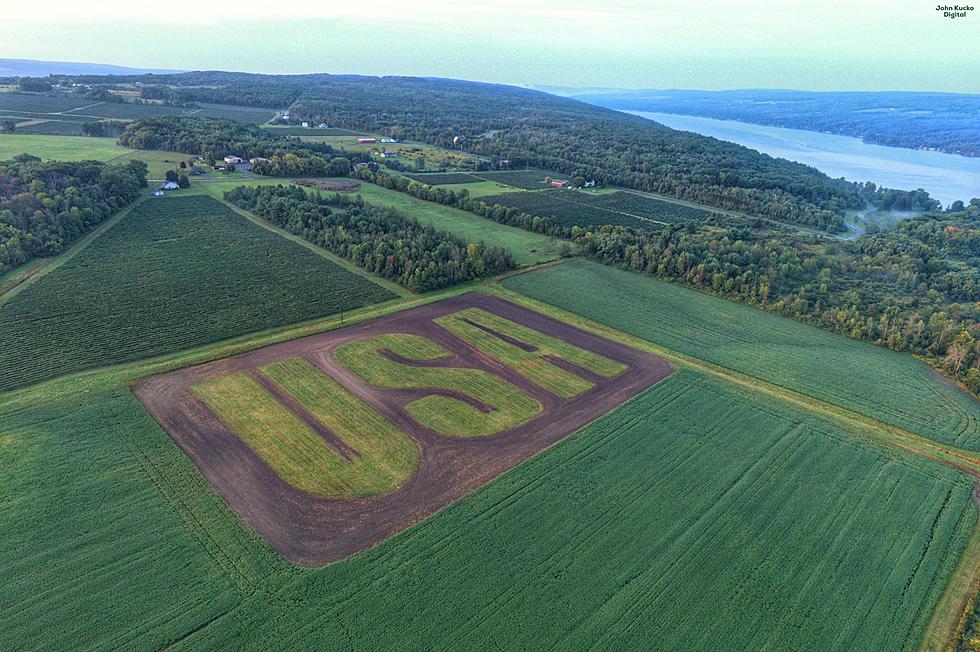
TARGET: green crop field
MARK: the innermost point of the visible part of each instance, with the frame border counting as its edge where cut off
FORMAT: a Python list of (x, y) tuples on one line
[(24, 102), (888, 386), (643, 206), (526, 179), (585, 209), (693, 517), (386, 456), (443, 178), (466, 325), (174, 273), (444, 414), (52, 128)]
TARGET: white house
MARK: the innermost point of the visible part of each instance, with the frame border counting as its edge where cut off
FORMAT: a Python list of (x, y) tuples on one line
[(233, 159), (170, 185), (306, 124), (388, 140)]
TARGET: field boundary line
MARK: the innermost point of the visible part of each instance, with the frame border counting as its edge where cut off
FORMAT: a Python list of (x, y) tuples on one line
[(62, 258), (965, 461)]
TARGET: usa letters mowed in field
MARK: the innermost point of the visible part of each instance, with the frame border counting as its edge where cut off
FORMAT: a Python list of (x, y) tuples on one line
[(331, 443)]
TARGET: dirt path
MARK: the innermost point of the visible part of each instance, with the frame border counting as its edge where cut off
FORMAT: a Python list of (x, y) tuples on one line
[(313, 530)]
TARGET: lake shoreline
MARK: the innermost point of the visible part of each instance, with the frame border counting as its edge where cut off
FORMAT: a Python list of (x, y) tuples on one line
[(947, 177)]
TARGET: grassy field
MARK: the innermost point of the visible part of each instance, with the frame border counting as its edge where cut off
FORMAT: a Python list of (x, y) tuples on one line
[(887, 386), (386, 456), (466, 324), (174, 273), (444, 414), (78, 148), (687, 519)]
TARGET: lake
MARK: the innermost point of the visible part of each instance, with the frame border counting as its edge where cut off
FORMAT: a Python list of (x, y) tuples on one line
[(947, 177)]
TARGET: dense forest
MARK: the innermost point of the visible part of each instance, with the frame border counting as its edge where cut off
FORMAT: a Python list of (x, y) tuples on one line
[(215, 138), (46, 206), (914, 288), (943, 121), (377, 239), (530, 128)]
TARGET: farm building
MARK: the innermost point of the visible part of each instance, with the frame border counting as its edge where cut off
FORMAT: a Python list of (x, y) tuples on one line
[(366, 141), (233, 159), (306, 124), (170, 185), (388, 140), (559, 184)]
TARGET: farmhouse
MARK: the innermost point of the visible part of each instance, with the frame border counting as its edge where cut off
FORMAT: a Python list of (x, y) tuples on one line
[(559, 184), (306, 124), (366, 141), (233, 159), (170, 185)]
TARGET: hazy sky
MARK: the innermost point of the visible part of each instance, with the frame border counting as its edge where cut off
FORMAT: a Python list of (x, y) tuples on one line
[(816, 44)]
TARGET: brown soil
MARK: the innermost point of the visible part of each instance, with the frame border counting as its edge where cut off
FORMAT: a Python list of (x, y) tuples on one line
[(314, 530)]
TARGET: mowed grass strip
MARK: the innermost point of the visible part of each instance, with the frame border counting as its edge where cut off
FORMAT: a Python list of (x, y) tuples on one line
[(174, 273), (447, 415), (533, 365), (297, 454), (386, 456)]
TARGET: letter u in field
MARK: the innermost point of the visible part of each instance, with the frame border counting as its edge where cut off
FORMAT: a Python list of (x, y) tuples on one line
[(473, 403)]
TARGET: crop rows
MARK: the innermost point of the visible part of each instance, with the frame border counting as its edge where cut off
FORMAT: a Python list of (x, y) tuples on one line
[(885, 385), (444, 414), (527, 179), (443, 178), (41, 103), (692, 515), (571, 208), (174, 273)]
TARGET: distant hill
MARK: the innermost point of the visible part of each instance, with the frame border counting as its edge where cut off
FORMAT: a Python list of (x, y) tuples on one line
[(942, 121), (32, 68)]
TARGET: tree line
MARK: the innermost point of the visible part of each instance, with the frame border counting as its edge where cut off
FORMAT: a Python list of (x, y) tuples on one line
[(914, 288), (45, 206), (380, 240)]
